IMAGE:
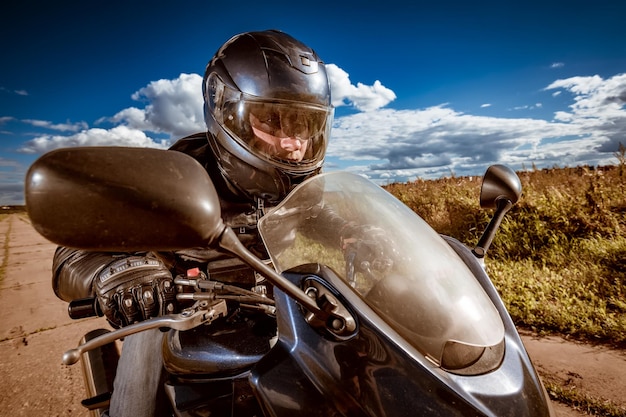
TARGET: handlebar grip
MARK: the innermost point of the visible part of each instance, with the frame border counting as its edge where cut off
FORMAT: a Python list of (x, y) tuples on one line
[(83, 308)]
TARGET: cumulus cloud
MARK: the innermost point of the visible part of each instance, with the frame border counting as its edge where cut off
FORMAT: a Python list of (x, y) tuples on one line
[(174, 107), (386, 144), (578, 85), (435, 141), (598, 108), (363, 97), (171, 107), (393, 145), (117, 136), (594, 92)]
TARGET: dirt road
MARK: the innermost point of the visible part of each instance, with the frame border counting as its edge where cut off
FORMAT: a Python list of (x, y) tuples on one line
[(35, 331)]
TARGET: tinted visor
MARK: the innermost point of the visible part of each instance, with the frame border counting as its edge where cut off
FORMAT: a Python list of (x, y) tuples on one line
[(286, 132), (289, 133)]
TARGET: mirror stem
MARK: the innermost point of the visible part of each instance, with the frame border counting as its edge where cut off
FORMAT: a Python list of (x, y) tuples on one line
[(502, 206), (229, 241)]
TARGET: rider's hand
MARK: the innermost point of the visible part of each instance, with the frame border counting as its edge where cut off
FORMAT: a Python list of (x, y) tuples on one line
[(135, 288), (367, 248)]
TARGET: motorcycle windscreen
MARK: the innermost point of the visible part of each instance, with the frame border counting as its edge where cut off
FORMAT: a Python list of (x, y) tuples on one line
[(396, 263)]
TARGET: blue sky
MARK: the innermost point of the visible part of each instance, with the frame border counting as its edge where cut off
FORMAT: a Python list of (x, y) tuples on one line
[(421, 90)]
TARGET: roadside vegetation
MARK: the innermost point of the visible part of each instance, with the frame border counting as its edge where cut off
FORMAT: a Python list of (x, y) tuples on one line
[(4, 210), (559, 257)]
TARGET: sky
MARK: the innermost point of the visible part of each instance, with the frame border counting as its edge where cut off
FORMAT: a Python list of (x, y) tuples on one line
[(421, 90)]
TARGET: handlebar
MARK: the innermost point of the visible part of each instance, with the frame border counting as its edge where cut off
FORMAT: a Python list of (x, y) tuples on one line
[(201, 312), (83, 308)]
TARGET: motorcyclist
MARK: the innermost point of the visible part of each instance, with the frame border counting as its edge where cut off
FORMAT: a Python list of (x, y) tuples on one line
[(268, 115)]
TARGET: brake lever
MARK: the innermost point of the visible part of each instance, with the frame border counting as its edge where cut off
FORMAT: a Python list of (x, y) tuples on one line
[(350, 271), (201, 312)]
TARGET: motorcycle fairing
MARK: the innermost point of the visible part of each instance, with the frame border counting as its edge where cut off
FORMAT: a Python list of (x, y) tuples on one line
[(312, 375), (432, 337), (227, 347), (377, 373), (528, 394), (421, 288), (213, 397)]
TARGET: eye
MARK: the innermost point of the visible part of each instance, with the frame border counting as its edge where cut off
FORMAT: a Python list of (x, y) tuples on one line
[(271, 119)]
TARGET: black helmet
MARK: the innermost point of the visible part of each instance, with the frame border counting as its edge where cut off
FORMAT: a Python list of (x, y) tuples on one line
[(268, 113)]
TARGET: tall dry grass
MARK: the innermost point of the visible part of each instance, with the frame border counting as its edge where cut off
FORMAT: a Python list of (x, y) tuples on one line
[(559, 257)]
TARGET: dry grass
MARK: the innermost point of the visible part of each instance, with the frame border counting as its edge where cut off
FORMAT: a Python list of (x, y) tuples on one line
[(559, 258)]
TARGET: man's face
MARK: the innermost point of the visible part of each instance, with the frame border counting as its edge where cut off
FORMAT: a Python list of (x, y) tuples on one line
[(284, 136)]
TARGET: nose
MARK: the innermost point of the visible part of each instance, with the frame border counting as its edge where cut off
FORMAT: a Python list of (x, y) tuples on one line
[(291, 144)]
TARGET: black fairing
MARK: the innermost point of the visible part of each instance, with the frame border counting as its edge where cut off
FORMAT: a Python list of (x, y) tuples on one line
[(226, 348), (529, 397), (376, 373)]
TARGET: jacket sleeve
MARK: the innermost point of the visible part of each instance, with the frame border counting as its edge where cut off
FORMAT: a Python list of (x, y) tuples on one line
[(74, 271)]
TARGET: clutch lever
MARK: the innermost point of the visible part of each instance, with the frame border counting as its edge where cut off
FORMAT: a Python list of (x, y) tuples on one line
[(201, 312)]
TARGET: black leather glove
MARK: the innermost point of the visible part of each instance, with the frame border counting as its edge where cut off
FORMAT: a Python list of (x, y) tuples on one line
[(366, 248), (135, 288)]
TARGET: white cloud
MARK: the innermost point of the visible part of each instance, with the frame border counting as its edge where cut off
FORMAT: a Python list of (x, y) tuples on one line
[(363, 97), (431, 142), (174, 107), (18, 92), (63, 127), (578, 85), (436, 141), (598, 108), (117, 136), (557, 65), (595, 94), (529, 106), (395, 145)]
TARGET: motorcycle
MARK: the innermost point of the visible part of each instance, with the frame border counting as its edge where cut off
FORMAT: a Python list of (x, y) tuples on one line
[(402, 322)]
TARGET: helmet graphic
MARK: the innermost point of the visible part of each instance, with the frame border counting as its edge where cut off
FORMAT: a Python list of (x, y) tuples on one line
[(268, 113)]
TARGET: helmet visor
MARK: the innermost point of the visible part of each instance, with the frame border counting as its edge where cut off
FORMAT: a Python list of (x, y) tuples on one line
[(289, 133)]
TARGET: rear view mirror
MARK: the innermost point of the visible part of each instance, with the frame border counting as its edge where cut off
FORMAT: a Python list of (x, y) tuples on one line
[(135, 199), (499, 182), (501, 189), (122, 199)]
